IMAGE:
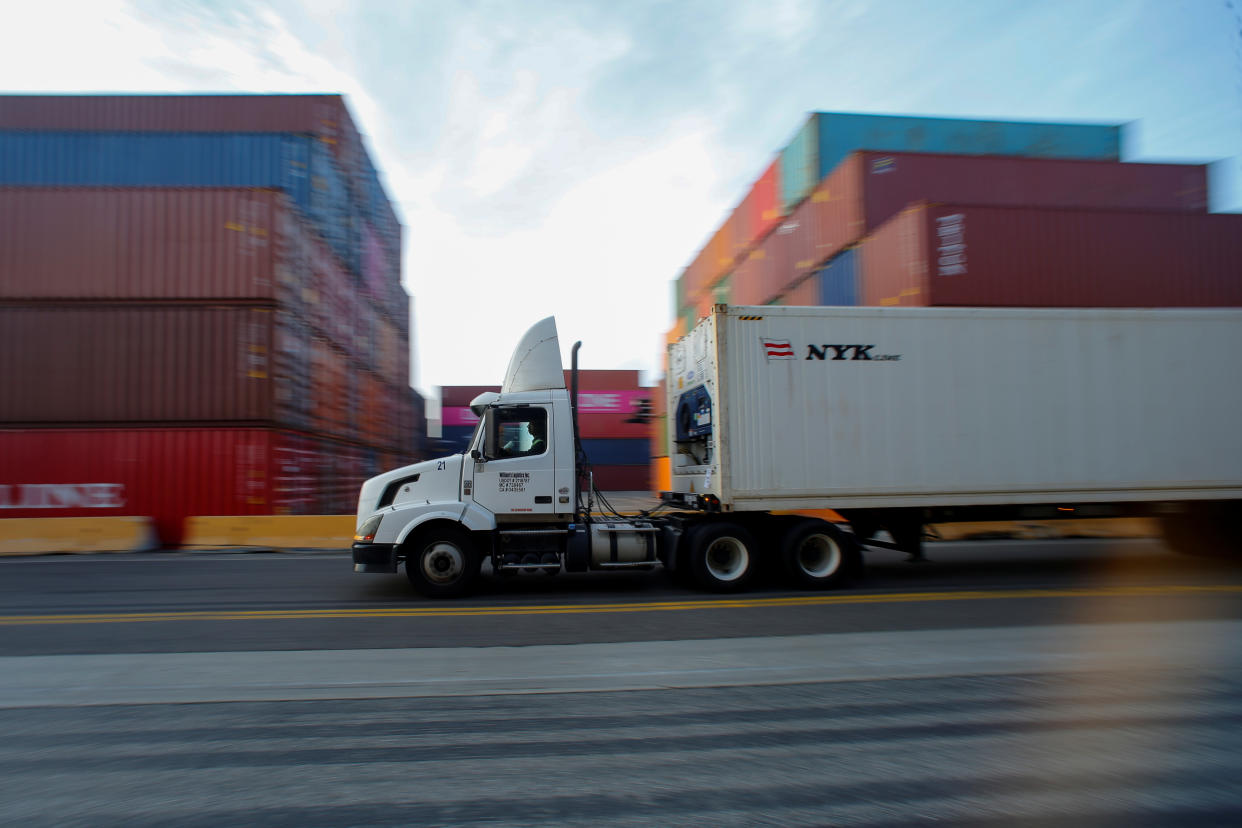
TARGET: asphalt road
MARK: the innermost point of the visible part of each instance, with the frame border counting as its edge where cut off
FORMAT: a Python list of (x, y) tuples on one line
[(1014, 683)]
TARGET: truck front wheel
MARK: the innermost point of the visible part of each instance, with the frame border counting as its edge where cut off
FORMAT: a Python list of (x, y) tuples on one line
[(722, 557), (817, 555), (442, 563)]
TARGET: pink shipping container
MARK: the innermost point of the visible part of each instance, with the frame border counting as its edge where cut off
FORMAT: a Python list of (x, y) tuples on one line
[(1007, 256), (169, 474)]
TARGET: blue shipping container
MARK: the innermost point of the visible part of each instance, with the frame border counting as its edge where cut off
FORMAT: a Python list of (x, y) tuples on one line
[(827, 137), (838, 280), (618, 452), (457, 438), (147, 159)]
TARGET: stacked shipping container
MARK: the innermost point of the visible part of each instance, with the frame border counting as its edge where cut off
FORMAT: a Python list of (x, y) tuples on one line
[(201, 305), (883, 210), (614, 421)]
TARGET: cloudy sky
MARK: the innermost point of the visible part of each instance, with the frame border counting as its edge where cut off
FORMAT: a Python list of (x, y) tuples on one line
[(569, 158)]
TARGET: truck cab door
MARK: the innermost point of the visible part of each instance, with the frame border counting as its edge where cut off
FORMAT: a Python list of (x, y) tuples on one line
[(515, 471)]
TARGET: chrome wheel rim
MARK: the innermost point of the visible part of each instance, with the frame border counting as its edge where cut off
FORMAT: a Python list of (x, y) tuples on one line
[(727, 559), (443, 563), (819, 556)]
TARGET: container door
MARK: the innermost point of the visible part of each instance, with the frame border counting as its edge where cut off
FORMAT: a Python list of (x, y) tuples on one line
[(518, 474)]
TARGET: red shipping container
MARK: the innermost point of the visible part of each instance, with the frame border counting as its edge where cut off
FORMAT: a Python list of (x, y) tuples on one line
[(763, 204), (164, 474), (1006, 256)]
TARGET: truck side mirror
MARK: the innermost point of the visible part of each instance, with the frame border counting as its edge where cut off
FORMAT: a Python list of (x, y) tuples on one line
[(474, 455)]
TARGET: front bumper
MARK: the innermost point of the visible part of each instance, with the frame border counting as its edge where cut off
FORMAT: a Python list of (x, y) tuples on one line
[(375, 557)]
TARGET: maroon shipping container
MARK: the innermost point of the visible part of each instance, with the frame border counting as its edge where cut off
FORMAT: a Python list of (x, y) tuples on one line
[(887, 182), (460, 396), (870, 187), (1007, 256), (323, 115), (590, 425), (623, 478), (619, 380), (89, 363), (151, 244)]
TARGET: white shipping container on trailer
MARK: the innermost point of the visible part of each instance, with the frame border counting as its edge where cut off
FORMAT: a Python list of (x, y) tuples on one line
[(866, 408)]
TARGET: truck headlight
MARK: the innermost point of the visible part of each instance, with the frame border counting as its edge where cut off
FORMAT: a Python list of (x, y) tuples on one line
[(366, 532)]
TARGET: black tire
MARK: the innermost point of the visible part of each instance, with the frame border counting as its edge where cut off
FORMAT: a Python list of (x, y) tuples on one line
[(817, 555), (443, 563), (722, 557)]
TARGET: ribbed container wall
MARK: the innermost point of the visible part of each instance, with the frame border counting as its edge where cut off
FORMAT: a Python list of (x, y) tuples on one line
[(868, 188), (826, 138), (996, 256), (887, 182), (321, 115), (103, 363), (298, 165), (158, 244)]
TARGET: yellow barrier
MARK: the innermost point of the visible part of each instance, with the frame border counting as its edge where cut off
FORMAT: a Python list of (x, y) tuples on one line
[(35, 536), (270, 532)]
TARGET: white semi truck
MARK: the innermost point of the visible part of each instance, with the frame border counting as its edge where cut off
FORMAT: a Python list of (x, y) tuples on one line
[(893, 417)]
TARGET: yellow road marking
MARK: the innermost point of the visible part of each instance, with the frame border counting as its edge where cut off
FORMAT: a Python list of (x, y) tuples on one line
[(449, 611)]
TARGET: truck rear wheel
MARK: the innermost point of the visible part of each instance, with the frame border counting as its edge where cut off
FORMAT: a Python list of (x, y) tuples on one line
[(442, 563), (817, 555), (722, 557)]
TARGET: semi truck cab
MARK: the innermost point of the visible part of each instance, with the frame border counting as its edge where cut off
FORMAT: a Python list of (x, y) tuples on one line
[(511, 497)]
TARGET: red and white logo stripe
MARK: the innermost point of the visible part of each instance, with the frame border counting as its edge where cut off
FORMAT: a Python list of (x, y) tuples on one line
[(777, 348)]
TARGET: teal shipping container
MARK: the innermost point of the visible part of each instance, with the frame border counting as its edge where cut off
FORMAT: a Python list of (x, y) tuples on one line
[(826, 138)]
